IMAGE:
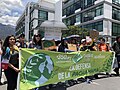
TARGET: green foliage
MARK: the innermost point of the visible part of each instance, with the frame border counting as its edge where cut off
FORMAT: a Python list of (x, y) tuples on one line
[(75, 30)]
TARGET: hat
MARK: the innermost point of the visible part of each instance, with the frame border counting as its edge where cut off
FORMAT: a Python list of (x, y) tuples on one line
[(83, 40)]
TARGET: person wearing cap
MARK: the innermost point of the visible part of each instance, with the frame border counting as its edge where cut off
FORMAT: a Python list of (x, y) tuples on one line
[(22, 43), (83, 44), (108, 45)]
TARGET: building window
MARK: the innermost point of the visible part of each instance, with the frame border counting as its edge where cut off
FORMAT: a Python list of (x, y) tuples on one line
[(40, 22), (43, 15), (88, 3), (68, 11), (64, 12), (116, 13), (26, 11), (78, 18), (117, 2), (31, 15), (31, 25), (99, 11), (77, 5), (90, 14), (97, 26), (115, 29)]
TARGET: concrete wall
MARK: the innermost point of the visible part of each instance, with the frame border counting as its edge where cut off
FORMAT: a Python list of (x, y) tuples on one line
[(109, 1), (51, 16), (58, 11), (47, 4), (107, 11)]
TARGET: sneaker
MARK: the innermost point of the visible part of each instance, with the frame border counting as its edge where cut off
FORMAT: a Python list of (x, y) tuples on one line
[(96, 76), (116, 71)]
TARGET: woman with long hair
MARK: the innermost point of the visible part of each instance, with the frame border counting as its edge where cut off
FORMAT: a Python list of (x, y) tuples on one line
[(0, 61), (10, 52), (37, 42)]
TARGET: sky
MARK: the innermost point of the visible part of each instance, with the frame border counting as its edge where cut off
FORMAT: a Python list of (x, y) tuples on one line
[(11, 10)]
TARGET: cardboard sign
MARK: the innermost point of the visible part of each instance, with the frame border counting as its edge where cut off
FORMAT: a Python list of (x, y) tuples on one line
[(72, 47), (94, 34), (48, 44)]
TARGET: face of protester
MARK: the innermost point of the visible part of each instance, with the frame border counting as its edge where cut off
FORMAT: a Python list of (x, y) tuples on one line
[(22, 39), (101, 41), (37, 37), (84, 43), (12, 41), (118, 39)]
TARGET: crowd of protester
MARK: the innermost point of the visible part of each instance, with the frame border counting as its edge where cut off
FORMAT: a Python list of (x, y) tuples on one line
[(9, 50)]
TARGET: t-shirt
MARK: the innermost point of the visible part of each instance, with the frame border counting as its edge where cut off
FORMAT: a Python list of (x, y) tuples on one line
[(102, 47)]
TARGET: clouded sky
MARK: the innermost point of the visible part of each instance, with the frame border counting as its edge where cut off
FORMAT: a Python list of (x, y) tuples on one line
[(11, 10)]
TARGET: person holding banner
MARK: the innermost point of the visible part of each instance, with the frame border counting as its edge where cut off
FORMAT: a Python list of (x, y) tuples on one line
[(37, 42), (83, 44), (87, 45), (10, 53), (103, 46), (63, 46), (22, 43), (0, 61), (116, 48)]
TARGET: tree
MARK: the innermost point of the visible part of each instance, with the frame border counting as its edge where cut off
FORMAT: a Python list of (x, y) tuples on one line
[(75, 30)]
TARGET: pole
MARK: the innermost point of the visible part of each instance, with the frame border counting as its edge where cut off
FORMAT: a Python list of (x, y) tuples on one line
[(18, 79)]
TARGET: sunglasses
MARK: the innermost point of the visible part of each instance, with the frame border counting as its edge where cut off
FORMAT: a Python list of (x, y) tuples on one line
[(37, 36)]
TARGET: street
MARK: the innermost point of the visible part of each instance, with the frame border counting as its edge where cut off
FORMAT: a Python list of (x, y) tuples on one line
[(104, 83)]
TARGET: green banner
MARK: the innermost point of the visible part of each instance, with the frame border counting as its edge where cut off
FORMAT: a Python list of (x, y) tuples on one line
[(40, 67)]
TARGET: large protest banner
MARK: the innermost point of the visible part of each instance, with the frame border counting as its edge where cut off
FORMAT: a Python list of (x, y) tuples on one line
[(40, 67)]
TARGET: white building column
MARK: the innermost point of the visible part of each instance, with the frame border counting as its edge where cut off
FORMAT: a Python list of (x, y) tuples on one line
[(27, 15), (109, 1), (107, 11), (107, 24), (58, 11)]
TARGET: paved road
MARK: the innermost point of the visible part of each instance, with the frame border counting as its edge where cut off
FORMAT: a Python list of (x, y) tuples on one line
[(104, 83)]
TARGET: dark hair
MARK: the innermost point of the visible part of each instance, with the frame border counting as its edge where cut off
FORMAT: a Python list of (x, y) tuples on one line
[(22, 35), (35, 41), (117, 38), (102, 39), (37, 35), (63, 43), (6, 42)]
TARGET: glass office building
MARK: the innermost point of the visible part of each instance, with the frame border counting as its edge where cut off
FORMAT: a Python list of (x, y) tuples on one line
[(102, 15), (32, 17)]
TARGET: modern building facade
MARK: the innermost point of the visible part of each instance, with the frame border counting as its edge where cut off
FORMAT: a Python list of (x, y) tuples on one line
[(33, 16), (102, 15)]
